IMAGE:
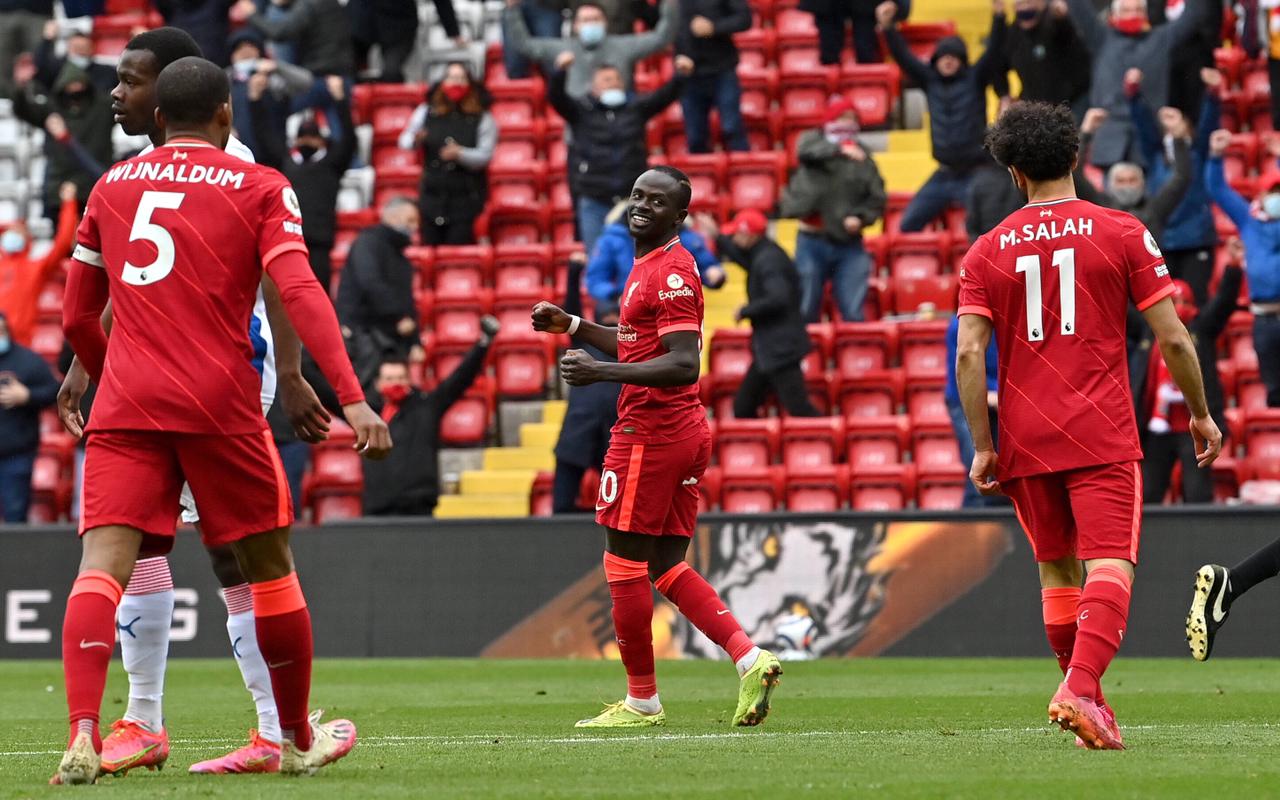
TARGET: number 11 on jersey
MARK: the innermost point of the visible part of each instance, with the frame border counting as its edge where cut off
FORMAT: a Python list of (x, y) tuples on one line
[(1065, 261)]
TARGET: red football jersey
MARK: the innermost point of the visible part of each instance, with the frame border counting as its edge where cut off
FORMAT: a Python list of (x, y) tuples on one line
[(184, 232), (1056, 280), (663, 294)]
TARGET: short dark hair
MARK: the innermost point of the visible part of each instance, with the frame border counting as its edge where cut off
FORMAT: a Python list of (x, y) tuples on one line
[(1038, 139), (191, 90), (393, 361), (685, 195), (166, 44)]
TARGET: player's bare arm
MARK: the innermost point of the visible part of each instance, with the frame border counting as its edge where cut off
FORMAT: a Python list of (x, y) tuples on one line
[(86, 298), (308, 417), (679, 366), (1180, 354), (74, 386), (971, 380), (550, 318)]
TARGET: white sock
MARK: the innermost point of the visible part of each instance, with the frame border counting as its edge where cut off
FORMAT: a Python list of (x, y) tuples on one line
[(143, 621), (747, 662), (243, 633), (651, 705)]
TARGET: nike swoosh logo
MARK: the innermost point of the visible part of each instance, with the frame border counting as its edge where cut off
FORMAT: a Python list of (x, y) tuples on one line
[(278, 666), (722, 612), (601, 508), (86, 645), (1218, 614)]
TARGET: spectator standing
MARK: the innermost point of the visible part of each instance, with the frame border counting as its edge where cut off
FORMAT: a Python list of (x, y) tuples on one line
[(1127, 41), (375, 295), (21, 26), (26, 386), (1126, 188), (314, 165), (457, 135), (79, 52), (592, 409), (834, 17), (622, 15), (836, 192), (591, 45), (706, 36), (272, 84), (392, 25), (957, 98), (1186, 91), (319, 30), (407, 484), (1190, 235), (543, 19), (87, 113), (1258, 25), (1041, 41), (22, 277), (964, 438), (205, 20), (779, 341), (608, 149), (1259, 226), (615, 254), (1162, 414)]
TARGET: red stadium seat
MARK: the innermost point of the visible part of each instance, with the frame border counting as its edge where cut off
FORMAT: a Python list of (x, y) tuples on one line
[(751, 491), (822, 335), (872, 394), (918, 255), (926, 400), (862, 347), (941, 488), (709, 490), (757, 47), (458, 319), (811, 441), (795, 25), (1262, 443), (1228, 474), (706, 173), (389, 157), (804, 93), (886, 488), (759, 91), (391, 107), (514, 155), (336, 468), (1251, 392), (743, 444), (922, 37), (933, 444), (521, 368), (875, 441), (730, 355), (46, 341), (518, 226), (940, 291), (924, 349), (820, 489), (335, 507), (540, 496), (466, 423), (874, 89), (755, 179), (521, 269), (49, 303)]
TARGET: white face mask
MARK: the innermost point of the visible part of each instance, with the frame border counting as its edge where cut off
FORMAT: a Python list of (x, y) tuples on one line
[(82, 62), (13, 242), (1271, 206), (591, 33), (613, 97)]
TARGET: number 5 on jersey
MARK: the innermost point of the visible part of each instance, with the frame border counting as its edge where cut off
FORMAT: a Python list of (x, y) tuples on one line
[(1065, 261), (148, 231)]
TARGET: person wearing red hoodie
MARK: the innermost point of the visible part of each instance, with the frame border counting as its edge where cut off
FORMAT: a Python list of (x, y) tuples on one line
[(22, 277)]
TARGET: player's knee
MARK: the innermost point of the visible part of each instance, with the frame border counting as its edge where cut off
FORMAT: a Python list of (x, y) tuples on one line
[(112, 549), (226, 567), (264, 556)]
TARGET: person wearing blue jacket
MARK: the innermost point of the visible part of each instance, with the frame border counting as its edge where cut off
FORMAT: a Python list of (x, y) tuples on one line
[(958, 423), (1259, 226), (1189, 234), (615, 253)]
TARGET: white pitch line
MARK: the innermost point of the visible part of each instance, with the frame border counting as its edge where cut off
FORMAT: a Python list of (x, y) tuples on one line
[(501, 739)]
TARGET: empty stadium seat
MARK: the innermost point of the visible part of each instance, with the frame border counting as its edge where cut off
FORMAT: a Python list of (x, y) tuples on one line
[(757, 48), (709, 490), (755, 179), (890, 487), (521, 367), (875, 441), (873, 394), (939, 291), (926, 400), (874, 90), (924, 349), (1262, 443), (918, 255), (759, 91), (335, 507), (861, 347), (46, 341), (730, 353), (518, 226), (822, 335), (744, 444), (335, 468), (457, 319), (819, 489), (390, 157), (933, 444), (466, 423), (540, 494), (520, 269), (706, 173), (807, 442), (751, 491), (941, 487)]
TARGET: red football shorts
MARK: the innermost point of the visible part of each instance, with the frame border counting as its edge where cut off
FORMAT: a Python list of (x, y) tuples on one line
[(134, 478), (1091, 512), (653, 488)]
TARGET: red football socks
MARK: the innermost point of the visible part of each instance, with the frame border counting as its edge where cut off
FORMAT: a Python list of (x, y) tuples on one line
[(1103, 614), (699, 603), (633, 622), (88, 637), (284, 638), (1059, 606)]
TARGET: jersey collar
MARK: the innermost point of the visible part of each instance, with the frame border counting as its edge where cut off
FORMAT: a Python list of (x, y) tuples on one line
[(665, 248), (1051, 202), (184, 141)]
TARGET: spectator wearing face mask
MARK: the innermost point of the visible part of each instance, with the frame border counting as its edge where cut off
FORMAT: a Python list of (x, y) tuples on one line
[(1259, 226), (1036, 46), (1127, 40), (22, 277), (1126, 185), (1162, 413), (273, 85), (836, 192), (84, 108), (26, 386), (779, 341), (407, 483), (608, 149), (79, 47), (591, 45), (956, 94), (457, 135), (614, 255), (314, 165), (375, 294)]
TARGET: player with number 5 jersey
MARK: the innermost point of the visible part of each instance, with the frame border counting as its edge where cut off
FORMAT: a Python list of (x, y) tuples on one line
[(1053, 282)]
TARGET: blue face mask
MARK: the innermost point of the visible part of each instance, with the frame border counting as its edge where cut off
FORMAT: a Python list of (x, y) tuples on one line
[(1271, 206), (591, 33), (613, 98), (13, 242), (5, 344)]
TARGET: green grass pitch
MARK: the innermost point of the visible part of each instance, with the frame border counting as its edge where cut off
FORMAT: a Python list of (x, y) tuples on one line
[(882, 728)]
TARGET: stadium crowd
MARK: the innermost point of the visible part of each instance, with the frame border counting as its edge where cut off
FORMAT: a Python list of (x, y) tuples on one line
[(766, 108)]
